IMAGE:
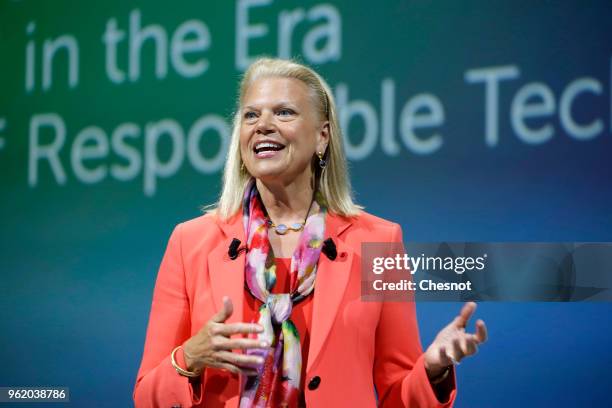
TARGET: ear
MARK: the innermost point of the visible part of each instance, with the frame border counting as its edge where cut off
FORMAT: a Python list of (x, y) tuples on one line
[(323, 137)]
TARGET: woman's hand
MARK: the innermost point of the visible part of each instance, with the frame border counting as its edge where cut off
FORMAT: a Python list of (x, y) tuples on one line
[(453, 343), (212, 346)]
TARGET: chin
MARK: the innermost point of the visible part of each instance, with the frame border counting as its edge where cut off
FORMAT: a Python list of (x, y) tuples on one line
[(270, 166), (276, 170), (268, 172), (269, 176)]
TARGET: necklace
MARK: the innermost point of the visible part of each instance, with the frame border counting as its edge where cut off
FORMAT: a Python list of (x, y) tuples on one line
[(282, 229)]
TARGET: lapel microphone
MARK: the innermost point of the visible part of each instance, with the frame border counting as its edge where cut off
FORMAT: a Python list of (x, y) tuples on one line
[(233, 251), (329, 249)]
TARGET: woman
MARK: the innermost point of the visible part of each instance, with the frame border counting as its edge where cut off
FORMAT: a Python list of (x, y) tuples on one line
[(236, 319)]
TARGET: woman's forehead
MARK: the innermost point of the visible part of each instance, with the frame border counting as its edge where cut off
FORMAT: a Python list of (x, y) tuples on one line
[(276, 90)]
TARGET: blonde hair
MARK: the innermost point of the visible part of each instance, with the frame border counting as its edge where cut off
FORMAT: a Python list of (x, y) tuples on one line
[(333, 182)]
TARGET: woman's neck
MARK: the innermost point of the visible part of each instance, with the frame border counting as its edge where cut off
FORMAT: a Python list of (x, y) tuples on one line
[(288, 203)]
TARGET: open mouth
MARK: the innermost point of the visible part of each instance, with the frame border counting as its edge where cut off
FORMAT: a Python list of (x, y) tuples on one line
[(262, 147)]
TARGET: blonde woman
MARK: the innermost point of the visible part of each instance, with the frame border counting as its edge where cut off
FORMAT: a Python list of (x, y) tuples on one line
[(257, 303)]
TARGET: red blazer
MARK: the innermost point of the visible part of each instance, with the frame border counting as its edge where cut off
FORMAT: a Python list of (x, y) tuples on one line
[(354, 347)]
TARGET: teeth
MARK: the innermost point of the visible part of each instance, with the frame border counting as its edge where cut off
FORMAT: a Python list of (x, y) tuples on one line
[(261, 146), (267, 144)]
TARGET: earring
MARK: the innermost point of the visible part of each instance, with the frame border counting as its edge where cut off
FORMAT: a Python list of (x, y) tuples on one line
[(242, 167), (322, 163)]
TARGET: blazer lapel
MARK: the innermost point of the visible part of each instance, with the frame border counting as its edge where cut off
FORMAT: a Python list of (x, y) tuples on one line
[(227, 275), (331, 281)]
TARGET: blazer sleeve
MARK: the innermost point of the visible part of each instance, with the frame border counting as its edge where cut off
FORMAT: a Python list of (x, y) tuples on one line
[(399, 371), (158, 384)]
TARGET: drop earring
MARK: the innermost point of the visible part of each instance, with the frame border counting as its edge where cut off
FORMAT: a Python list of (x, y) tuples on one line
[(322, 162)]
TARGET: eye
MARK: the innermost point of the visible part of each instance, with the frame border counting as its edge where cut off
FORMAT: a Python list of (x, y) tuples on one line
[(285, 112), (250, 115)]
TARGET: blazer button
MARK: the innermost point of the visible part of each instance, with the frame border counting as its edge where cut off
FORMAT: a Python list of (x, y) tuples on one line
[(314, 383)]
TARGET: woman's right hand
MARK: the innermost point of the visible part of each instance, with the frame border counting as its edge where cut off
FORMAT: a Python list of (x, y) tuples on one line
[(212, 346)]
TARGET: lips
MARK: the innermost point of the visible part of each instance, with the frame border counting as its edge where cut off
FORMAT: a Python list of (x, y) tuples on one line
[(266, 146)]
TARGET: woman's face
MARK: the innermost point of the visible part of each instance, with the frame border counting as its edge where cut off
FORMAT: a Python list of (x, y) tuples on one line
[(280, 130)]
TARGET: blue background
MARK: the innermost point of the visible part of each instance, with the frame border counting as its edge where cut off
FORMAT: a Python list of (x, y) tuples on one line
[(78, 262)]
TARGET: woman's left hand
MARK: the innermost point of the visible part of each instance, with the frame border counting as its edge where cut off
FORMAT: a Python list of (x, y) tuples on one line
[(453, 343)]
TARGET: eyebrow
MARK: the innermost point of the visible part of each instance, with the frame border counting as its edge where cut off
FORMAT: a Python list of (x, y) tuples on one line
[(277, 105)]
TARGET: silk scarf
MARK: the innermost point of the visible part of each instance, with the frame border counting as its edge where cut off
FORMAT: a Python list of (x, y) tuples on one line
[(277, 383)]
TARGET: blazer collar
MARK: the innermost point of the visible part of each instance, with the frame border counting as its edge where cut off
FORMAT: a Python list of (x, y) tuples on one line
[(227, 277)]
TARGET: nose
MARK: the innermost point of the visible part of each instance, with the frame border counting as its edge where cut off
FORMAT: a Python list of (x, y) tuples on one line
[(265, 124)]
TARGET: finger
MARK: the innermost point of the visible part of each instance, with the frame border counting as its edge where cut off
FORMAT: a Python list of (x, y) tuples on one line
[(241, 360), (447, 357), (467, 311), (244, 344), (228, 367), (481, 331), (444, 357), (225, 312), (249, 372), (230, 329), (470, 345), (457, 352)]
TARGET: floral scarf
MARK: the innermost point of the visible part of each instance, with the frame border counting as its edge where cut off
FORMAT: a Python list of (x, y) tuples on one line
[(277, 383)]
